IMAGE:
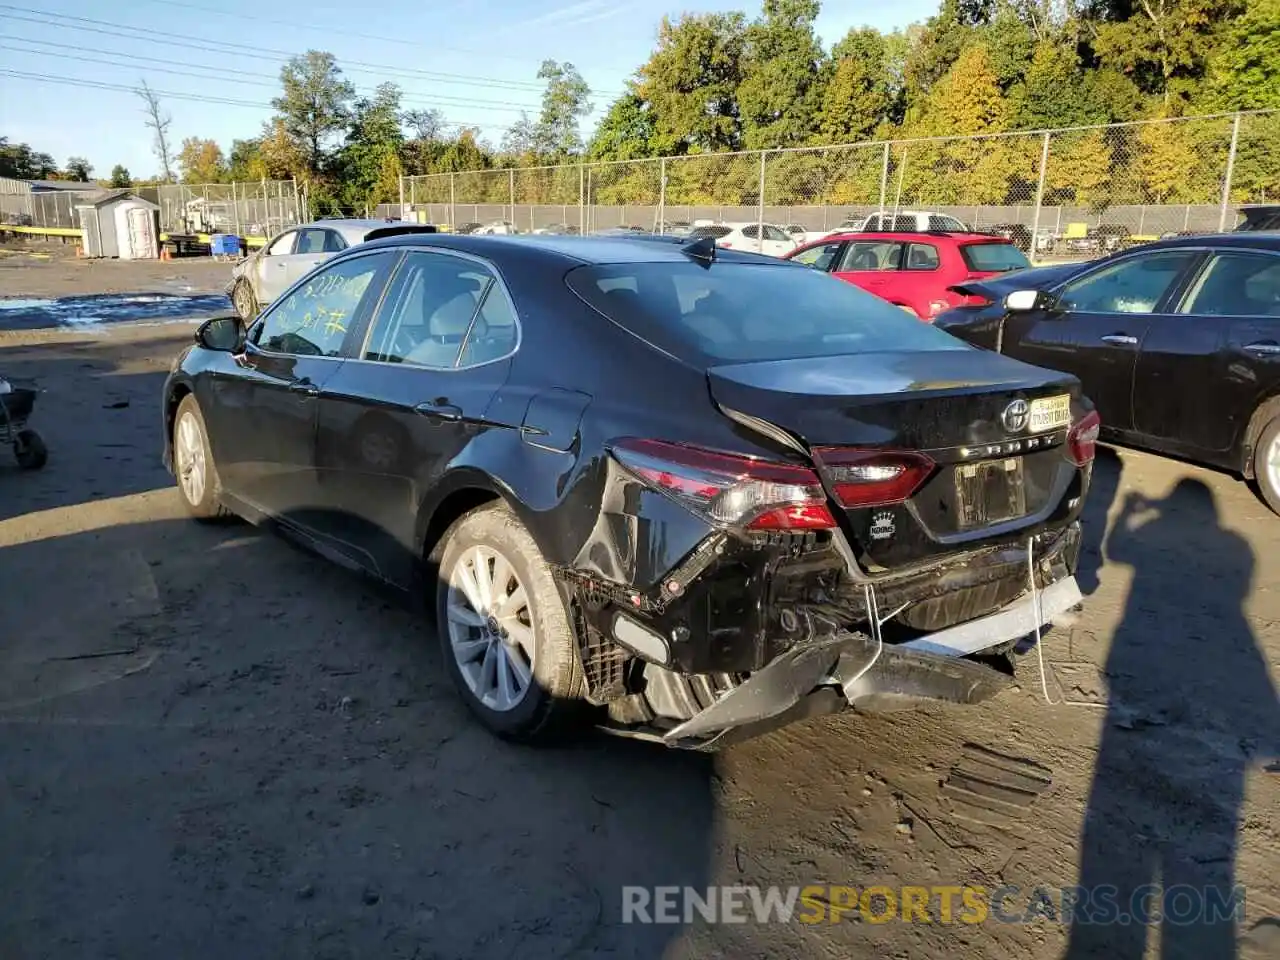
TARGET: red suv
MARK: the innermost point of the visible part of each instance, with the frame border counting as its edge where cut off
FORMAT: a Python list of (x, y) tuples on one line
[(914, 271)]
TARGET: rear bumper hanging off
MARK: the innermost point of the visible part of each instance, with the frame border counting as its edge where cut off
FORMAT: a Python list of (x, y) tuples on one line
[(852, 669)]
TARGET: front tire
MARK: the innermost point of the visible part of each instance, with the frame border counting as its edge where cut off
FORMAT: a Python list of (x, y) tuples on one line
[(29, 450), (193, 465), (1266, 464), (504, 627)]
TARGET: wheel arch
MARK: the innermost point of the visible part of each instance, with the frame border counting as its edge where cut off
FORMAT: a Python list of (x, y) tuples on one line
[(178, 391), (1263, 413), (458, 493)]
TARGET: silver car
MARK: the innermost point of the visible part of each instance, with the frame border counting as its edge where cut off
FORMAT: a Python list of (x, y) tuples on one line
[(262, 276)]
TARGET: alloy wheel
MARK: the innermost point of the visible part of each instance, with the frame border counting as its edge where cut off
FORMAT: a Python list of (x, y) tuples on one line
[(490, 628), (189, 454)]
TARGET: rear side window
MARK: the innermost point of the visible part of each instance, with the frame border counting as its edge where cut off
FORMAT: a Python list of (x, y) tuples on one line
[(922, 256), (738, 312), (993, 257), (716, 232)]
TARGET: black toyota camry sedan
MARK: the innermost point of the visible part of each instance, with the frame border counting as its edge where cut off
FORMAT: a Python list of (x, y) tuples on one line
[(680, 492), (1177, 342)]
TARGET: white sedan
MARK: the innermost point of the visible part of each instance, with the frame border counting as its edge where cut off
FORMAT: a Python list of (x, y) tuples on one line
[(746, 236)]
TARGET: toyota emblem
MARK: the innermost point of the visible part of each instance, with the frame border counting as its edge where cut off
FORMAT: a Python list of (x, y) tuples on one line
[(1015, 416)]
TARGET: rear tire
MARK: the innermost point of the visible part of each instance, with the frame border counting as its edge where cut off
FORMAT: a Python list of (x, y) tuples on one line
[(193, 465), (504, 628), (1266, 464), (245, 302)]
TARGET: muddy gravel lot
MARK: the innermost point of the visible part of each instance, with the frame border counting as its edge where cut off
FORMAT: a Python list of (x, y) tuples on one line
[(215, 745)]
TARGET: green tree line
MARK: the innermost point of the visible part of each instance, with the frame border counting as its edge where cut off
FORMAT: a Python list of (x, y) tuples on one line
[(718, 83)]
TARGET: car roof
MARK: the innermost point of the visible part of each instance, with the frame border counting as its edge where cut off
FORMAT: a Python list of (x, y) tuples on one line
[(917, 234), (355, 227), (569, 250), (1246, 239)]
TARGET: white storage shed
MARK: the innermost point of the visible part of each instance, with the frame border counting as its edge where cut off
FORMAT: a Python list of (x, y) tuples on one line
[(120, 224)]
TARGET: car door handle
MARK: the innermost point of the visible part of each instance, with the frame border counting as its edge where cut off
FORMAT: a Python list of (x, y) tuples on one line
[(1122, 339), (304, 387), (1265, 348), (439, 410)]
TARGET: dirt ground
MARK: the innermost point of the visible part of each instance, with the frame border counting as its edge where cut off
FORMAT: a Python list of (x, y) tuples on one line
[(215, 745)]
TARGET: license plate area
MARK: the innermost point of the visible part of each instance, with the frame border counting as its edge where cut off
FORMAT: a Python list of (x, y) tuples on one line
[(1049, 413), (990, 491)]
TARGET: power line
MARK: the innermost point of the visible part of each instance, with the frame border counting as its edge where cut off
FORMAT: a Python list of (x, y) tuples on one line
[(213, 72), (293, 25), (175, 95), (226, 48)]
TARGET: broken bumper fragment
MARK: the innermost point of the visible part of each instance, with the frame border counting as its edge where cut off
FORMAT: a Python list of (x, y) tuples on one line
[(851, 669)]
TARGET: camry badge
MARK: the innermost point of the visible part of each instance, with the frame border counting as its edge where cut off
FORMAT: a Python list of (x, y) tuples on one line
[(1015, 416)]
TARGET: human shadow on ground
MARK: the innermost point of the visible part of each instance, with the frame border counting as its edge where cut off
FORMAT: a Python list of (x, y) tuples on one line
[(1191, 709)]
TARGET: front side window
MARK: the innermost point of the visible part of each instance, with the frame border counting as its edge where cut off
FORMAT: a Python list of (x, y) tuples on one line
[(773, 233), (740, 312), (820, 257), (428, 311), (1135, 286), (1236, 285), (870, 255), (283, 244), (313, 319)]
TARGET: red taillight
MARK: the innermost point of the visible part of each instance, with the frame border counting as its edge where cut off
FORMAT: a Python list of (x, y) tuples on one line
[(730, 490), (874, 478), (723, 244), (1082, 440)]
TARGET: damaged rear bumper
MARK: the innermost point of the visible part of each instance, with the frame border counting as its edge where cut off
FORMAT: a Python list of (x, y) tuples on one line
[(851, 669)]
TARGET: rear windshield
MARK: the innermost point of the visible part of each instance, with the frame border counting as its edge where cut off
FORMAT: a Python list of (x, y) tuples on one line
[(741, 312), (993, 257), (717, 232)]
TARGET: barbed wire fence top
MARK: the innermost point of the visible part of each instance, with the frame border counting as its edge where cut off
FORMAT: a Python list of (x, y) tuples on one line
[(1150, 177)]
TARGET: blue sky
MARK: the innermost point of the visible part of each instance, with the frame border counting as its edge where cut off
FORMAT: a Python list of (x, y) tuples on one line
[(475, 60)]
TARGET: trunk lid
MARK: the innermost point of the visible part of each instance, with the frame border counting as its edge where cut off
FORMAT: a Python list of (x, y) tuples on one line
[(995, 287), (982, 477)]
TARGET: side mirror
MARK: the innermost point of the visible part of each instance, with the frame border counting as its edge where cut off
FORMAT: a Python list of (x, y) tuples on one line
[(1022, 301), (224, 334)]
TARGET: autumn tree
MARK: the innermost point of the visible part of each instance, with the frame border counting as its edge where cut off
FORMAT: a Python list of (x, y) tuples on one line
[(1164, 157), (1165, 45), (1245, 68), (965, 102), (858, 97), (315, 106), (246, 161), (202, 161)]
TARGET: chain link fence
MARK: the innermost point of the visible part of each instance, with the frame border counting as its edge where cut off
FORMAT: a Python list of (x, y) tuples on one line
[(1137, 180), (55, 208), (251, 209)]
